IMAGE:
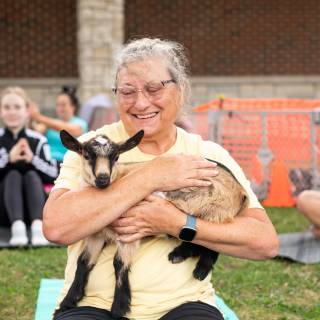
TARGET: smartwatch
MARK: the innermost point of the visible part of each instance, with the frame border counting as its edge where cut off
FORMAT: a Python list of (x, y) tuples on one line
[(189, 230)]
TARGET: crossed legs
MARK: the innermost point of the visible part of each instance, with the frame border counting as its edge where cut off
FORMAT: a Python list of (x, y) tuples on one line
[(18, 188), (308, 203)]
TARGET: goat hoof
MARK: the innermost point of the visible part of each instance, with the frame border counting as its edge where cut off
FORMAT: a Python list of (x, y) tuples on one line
[(117, 314), (200, 274), (175, 258), (119, 310)]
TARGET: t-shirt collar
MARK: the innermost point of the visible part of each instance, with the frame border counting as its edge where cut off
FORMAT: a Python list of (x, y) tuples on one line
[(147, 156)]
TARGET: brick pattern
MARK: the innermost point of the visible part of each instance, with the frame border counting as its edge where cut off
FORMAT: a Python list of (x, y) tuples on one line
[(38, 38), (238, 37)]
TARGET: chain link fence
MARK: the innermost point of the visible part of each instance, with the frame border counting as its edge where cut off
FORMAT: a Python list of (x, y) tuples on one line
[(256, 139)]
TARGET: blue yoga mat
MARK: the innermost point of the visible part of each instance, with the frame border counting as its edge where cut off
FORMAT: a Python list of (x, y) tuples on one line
[(50, 289)]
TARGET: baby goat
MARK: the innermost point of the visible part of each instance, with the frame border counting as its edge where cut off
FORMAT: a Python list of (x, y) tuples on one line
[(99, 158), (219, 202)]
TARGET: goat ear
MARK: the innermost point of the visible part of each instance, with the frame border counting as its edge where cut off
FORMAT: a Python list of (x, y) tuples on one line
[(70, 142), (131, 142)]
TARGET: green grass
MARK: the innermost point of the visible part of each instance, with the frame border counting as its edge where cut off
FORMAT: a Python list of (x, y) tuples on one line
[(21, 271), (274, 289)]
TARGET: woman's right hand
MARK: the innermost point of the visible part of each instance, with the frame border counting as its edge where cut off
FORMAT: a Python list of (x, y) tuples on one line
[(33, 111), (172, 172), (16, 153)]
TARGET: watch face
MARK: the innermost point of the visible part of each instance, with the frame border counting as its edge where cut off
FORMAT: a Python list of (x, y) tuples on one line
[(187, 234)]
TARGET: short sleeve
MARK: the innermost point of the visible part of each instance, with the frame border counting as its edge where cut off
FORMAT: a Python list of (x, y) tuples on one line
[(84, 126), (69, 176), (82, 123)]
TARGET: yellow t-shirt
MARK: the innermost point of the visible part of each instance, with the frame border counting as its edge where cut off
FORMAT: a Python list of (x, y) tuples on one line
[(157, 285)]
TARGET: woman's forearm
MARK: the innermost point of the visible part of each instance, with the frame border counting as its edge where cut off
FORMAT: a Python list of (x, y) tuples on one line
[(250, 236), (73, 215), (59, 125)]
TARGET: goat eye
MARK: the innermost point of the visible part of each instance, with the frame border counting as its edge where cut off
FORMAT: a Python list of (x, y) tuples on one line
[(116, 158), (86, 156)]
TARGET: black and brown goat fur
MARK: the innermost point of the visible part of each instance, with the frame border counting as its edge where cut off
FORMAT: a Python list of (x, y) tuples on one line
[(219, 202)]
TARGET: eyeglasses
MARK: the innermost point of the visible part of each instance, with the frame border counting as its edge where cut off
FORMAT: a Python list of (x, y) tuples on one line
[(152, 91)]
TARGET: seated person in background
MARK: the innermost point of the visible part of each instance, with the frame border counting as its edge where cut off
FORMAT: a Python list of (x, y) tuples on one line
[(67, 106), (308, 203), (25, 164)]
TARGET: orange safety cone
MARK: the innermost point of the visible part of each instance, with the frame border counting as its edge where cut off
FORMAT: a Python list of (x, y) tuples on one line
[(280, 188)]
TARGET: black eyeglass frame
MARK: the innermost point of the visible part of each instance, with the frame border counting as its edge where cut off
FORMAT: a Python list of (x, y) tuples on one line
[(164, 82)]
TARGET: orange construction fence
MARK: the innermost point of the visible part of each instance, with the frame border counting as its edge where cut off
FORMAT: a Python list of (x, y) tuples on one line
[(258, 104), (286, 143)]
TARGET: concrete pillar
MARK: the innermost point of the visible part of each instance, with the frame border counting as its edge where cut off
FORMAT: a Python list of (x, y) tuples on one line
[(100, 36)]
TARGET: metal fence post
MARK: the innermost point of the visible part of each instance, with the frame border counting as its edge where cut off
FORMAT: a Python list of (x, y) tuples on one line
[(214, 125), (314, 121)]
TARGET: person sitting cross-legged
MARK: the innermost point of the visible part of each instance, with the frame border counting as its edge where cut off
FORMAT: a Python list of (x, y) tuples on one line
[(25, 164)]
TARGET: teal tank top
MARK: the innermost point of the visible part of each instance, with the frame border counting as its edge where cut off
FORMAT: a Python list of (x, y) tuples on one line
[(57, 149)]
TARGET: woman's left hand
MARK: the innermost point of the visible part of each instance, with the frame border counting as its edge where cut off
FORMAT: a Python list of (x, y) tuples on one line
[(27, 155), (151, 216)]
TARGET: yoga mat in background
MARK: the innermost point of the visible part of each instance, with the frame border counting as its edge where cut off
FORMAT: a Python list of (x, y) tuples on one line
[(301, 247)]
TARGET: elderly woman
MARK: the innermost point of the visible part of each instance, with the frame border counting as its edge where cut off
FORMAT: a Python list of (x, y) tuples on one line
[(151, 88)]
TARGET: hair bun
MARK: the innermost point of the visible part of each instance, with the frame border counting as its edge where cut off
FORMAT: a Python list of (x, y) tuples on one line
[(69, 89)]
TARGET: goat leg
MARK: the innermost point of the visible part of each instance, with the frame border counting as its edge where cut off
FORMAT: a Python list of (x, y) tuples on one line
[(122, 294), (183, 251), (205, 264), (76, 291)]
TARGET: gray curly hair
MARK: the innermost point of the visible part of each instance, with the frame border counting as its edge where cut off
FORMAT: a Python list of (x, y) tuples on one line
[(171, 52)]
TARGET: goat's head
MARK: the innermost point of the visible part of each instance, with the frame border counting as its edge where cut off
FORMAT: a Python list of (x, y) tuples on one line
[(99, 156)]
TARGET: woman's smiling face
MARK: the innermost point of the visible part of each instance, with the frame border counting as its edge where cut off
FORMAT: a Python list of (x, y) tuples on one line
[(146, 103), (14, 111), (64, 108)]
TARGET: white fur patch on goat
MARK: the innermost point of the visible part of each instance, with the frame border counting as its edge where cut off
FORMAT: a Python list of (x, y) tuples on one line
[(103, 148), (160, 194), (102, 141)]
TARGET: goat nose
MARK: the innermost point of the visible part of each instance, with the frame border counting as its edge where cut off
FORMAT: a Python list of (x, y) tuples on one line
[(102, 181)]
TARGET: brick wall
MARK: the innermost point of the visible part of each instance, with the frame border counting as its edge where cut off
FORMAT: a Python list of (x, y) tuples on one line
[(38, 38), (238, 37)]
